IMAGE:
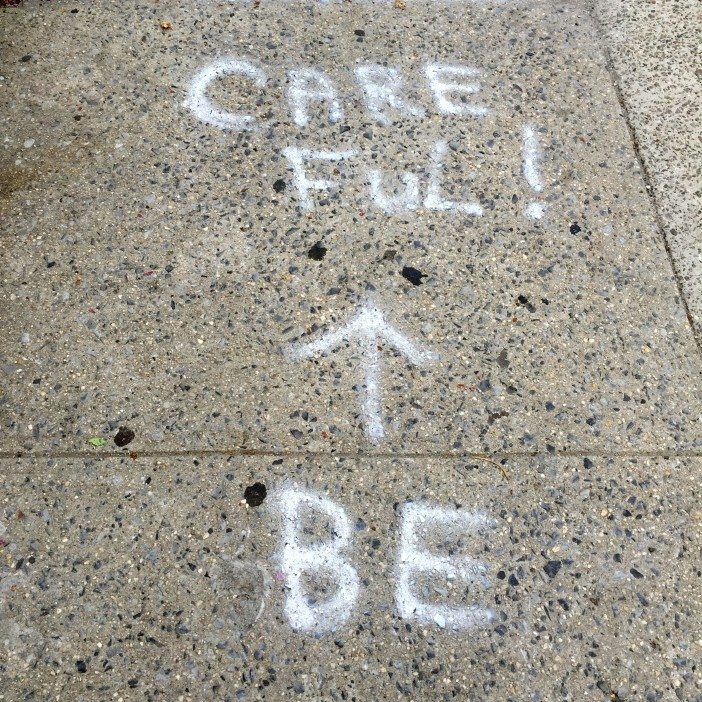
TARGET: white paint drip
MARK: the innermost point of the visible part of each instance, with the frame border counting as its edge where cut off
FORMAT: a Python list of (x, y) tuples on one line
[(434, 200), (299, 557), (205, 109), (413, 561), (404, 201), (382, 87), (308, 85), (298, 158), (442, 81), (531, 156), (367, 327)]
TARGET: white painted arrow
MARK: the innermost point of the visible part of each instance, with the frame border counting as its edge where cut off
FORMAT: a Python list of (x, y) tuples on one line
[(367, 327)]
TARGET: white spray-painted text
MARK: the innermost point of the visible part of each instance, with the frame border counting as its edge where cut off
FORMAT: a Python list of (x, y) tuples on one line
[(302, 561), (455, 91)]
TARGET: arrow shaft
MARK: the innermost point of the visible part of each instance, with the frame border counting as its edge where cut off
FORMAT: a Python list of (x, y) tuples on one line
[(371, 392)]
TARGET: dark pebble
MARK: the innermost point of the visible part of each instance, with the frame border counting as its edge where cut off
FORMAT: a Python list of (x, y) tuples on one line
[(255, 494), (552, 567), (124, 436), (523, 300)]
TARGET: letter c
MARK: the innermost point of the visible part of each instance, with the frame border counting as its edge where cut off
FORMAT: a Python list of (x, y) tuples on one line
[(205, 109)]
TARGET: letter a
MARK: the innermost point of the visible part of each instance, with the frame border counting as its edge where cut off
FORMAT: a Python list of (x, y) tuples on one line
[(310, 85)]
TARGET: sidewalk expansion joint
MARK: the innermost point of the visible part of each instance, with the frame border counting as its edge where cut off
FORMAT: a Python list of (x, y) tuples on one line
[(239, 452)]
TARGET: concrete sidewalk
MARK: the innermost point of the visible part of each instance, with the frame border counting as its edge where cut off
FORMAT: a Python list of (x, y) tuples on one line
[(151, 580), (343, 357), (655, 52)]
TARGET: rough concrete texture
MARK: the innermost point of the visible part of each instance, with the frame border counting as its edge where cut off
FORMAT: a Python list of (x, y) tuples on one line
[(655, 50), (154, 580), (153, 275), (469, 360)]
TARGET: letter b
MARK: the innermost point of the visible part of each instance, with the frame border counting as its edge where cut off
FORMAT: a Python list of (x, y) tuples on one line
[(298, 558)]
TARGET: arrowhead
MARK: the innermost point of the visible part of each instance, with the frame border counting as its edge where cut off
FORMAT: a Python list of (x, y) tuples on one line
[(368, 324)]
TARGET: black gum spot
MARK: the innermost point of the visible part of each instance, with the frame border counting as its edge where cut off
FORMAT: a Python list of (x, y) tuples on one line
[(317, 252), (255, 494), (413, 275)]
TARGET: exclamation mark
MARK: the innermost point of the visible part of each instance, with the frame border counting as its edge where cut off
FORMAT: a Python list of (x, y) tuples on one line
[(531, 155)]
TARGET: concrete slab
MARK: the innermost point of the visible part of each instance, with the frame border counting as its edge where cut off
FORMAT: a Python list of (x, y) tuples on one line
[(161, 273), (655, 53), (153, 579), (192, 325)]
